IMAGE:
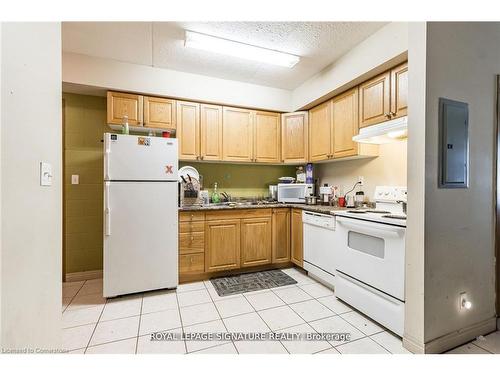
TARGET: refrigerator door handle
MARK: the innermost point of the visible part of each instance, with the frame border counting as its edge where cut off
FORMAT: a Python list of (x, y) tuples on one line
[(107, 212), (107, 151)]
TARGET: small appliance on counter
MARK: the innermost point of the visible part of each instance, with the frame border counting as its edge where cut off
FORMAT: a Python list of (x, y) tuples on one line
[(294, 193), (325, 192), (273, 192)]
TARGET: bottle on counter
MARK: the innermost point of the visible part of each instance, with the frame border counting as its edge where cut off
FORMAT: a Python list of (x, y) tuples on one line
[(309, 173), (215, 194), (301, 175), (125, 128)]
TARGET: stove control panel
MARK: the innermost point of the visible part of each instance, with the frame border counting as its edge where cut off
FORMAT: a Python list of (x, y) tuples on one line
[(390, 193)]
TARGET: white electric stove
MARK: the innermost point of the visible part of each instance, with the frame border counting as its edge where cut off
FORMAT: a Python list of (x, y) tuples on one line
[(370, 265)]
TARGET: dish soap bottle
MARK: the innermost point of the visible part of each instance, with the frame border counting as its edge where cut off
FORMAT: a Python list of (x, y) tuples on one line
[(125, 129), (215, 195)]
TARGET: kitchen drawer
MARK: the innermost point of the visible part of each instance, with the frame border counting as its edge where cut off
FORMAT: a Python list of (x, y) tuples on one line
[(239, 214), (192, 240), (191, 263), (191, 226), (188, 216)]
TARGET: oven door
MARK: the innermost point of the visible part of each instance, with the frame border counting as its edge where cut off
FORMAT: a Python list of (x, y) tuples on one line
[(372, 253)]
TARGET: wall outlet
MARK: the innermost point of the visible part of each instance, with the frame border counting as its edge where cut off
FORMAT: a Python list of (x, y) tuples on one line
[(464, 302), (75, 179), (361, 180)]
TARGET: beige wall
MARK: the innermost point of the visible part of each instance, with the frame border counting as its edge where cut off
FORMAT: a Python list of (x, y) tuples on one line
[(389, 168), (461, 61), (31, 214)]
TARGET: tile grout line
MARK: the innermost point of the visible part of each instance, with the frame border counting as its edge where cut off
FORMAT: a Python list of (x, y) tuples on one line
[(72, 298), (139, 325), (221, 319), (256, 311), (180, 318), (95, 327)]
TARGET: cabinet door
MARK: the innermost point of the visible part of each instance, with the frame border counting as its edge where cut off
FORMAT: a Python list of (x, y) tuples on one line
[(237, 134), (222, 245), (297, 253), (374, 100), (281, 235), (320, 132), (399, 91), (294, 137), (188, 130), (121, 104), (256, 241), (267, 137), (345, 123), (211, 132), (159, 113)]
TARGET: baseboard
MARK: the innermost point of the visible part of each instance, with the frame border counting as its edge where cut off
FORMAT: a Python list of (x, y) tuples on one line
[(85, 275), (453, 339)]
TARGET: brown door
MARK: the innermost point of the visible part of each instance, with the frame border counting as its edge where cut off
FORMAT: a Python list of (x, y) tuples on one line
[(256, 241), (222, 245), (294, 137), (237, 134), (281, 235), (374, 100), (297, 253), (345, 123), (211, 132), (159, 113), (399, 91), (188, 130), (320, 132), (121, 104), (267, 137)]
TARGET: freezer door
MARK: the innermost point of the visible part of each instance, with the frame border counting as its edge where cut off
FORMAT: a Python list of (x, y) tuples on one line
[(139, 158), (140, 237)]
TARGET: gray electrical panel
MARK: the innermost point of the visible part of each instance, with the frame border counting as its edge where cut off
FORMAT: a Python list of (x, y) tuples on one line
[(453, 144)]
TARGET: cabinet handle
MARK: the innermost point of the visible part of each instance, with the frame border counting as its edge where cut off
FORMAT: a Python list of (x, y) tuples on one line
[(201, 157), (393, 114), (388, 115)]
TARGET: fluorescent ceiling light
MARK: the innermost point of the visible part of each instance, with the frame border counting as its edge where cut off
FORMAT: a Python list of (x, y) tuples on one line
[(241, 50)]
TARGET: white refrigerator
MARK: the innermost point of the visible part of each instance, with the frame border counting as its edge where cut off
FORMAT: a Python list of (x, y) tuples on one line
[(140, 214)]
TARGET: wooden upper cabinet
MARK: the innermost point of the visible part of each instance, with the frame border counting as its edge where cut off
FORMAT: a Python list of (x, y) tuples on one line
[(222, 245), (256, 241), (121, 104), (374, 100), (211, 132), (399, 91), (281, 235), (320, 132), (237, 133), (188, 130), (267, 137), (294, 137), (345, 123), (159, 113), (297, 247)]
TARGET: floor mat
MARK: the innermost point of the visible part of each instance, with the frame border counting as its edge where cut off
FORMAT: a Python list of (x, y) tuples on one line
[(250, 282)]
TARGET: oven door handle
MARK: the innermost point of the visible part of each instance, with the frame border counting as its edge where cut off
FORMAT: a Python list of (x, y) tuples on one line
[(368, 226)]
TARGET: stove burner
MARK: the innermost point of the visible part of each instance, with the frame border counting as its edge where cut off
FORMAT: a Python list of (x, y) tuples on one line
[(378, 212), (356, 212), (399, 217)]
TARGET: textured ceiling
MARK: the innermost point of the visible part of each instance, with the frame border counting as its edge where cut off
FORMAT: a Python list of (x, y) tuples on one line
[(161, 44)]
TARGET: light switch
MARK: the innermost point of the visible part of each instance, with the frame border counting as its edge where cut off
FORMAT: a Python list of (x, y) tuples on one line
[(75, 179), (45, 174)]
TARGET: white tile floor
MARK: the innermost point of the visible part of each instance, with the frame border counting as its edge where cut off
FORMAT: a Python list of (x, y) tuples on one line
[(123, 325)]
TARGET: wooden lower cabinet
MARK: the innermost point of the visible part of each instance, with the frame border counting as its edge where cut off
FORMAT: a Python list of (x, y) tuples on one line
[(222, 246), (297, 246), (281, 235), (191, 263), (256, 241)]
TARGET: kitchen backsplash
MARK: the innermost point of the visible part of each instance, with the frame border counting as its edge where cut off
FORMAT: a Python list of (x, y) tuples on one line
[(389, 168)]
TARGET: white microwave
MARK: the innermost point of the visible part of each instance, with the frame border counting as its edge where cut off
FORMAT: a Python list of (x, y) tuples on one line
[(294, 193)]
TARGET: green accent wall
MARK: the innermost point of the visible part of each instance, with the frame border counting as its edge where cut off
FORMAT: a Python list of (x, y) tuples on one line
[(84, 126)]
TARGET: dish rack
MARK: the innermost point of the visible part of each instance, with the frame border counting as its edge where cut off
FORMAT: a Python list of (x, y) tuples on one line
[(190, 195)]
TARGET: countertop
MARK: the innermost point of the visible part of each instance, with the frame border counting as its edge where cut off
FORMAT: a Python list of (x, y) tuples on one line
[(314, 208)]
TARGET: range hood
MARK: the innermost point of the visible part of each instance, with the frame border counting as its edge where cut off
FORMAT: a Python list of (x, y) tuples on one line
[(386, 132)]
